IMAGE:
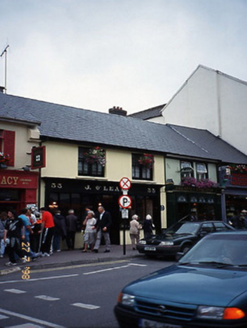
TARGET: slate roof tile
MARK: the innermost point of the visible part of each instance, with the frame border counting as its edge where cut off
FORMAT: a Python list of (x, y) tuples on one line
[(87, 126)]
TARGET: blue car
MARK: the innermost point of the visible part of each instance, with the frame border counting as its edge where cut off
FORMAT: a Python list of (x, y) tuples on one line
[(207, 287)]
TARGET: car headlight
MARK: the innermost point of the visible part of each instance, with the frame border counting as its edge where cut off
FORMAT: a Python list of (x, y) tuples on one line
[(126, 299), (142, 242), (166, 243), (213, 312)]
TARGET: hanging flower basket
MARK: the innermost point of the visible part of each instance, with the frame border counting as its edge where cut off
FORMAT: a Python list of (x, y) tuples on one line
[(95, 155), (146, 160), (4, 160), (204, 183), (238, 168)]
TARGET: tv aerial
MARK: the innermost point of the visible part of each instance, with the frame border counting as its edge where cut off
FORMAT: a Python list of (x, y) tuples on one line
[(5, 55)]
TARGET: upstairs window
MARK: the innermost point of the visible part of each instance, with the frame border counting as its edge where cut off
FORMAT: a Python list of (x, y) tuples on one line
[(91, 161), (201, 171), (142, 166), (7, 145), (186, 169)]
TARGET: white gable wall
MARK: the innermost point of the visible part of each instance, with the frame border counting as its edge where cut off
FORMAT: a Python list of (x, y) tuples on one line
[(213, 101)]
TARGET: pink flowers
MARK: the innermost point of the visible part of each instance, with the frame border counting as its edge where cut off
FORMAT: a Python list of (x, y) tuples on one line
[(95, 155), (238, 168), (146, 160), (4, 159), (204, 183)]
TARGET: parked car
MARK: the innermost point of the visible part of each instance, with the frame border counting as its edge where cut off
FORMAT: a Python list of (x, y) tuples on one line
[(180, 237), (207, 287)]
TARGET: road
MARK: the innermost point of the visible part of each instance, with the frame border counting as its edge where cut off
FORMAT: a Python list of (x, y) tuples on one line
[(76, 296)]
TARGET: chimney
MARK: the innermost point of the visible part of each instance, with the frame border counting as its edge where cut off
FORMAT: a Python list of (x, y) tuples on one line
[(117, 111)]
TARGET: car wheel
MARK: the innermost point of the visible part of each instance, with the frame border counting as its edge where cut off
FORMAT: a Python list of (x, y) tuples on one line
[(186, 248)]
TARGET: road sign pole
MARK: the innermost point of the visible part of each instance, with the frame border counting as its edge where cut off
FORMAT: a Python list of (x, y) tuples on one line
[(124, 202), (124, 241)]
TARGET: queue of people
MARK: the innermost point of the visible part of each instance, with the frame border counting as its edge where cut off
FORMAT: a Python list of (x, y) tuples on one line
[(33, 234)]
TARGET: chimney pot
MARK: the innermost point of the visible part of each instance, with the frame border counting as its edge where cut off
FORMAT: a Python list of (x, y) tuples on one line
[(118, 111)]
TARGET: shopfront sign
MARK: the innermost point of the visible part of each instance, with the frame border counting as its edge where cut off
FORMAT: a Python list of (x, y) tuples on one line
[(38, 157), (18, 179), (239, 179)]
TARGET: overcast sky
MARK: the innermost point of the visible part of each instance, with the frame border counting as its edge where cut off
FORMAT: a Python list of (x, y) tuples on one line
[(95, 54)]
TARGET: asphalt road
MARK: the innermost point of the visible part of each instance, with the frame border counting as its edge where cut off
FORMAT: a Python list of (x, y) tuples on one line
[(76, 296)]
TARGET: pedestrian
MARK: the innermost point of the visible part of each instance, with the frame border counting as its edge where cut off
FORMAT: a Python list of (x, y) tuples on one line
[(241, 221), (71, 224), (103, 229), (60, 231), (15, 234), (148, 227), (35, 221), (193, 214), (26, 248), (47, 231), (3, 218), (90, 233), (134, 231)]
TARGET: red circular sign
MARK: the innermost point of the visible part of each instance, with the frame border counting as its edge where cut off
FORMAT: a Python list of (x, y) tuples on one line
[(125, 183), (124, 201)]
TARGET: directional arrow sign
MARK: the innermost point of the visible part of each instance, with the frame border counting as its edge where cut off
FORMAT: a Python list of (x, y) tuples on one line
[(124, 201), (125, 183)]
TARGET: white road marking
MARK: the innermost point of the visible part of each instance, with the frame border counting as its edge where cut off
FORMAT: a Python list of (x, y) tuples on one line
[(47, 298), (26, 325), (15, 291), (38, 279), (26, 317), (3, 317), (86, 306), (114, 268)]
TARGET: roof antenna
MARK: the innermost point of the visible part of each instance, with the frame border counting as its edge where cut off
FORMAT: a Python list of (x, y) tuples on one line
[(5, 52)]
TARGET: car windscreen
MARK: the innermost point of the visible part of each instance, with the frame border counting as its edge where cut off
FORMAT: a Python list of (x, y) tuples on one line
[(183, 228), (217, 248)]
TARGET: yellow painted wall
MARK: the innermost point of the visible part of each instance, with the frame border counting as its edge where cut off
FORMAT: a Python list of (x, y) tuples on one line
[(23, 145)]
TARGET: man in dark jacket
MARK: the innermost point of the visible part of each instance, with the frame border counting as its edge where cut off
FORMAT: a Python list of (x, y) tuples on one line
[(60, 230), (103, 229), (71, 224)]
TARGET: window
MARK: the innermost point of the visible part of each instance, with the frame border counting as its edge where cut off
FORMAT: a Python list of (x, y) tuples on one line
[(7, 145), (186, 170), (201, 171), (88, 167), (140, 171)]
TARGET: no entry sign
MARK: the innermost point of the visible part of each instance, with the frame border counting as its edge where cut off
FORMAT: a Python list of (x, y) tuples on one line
[(124, 201)]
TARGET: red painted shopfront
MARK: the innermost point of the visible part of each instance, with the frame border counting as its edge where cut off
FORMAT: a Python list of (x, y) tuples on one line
[(17, 189)]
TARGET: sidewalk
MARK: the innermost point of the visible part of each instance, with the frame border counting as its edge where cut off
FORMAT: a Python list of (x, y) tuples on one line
[(75, 257)]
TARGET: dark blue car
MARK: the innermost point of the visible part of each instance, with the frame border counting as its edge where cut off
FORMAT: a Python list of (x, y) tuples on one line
[(206, 288)]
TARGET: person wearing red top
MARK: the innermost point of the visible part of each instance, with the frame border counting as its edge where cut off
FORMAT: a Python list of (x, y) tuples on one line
[(47, 231)]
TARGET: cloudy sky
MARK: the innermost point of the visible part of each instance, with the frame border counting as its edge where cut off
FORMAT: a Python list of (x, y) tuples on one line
[(136, 54)]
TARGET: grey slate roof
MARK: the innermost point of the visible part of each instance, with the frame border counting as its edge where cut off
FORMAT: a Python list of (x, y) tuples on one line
[(87, 126)]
